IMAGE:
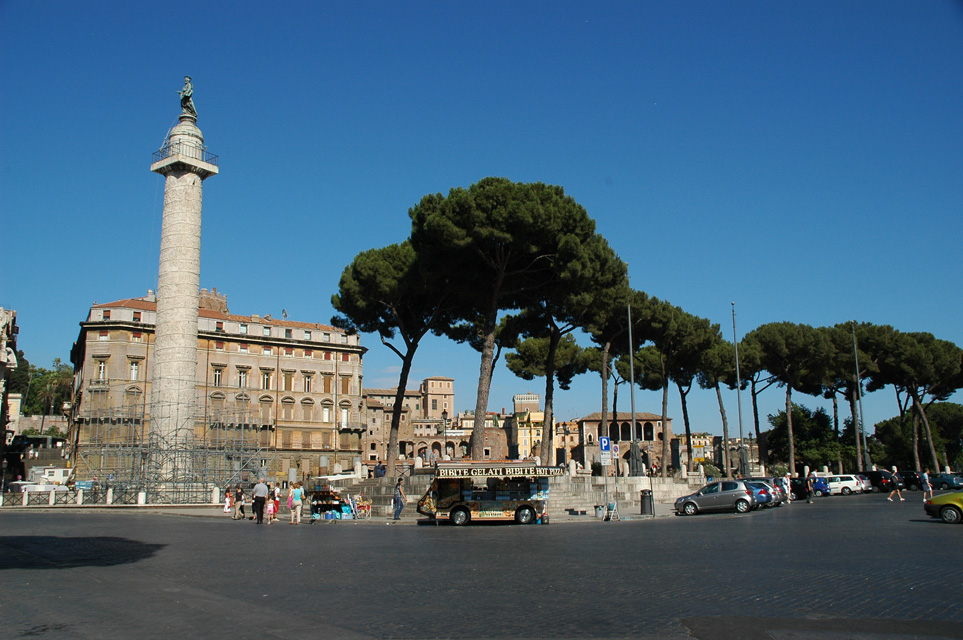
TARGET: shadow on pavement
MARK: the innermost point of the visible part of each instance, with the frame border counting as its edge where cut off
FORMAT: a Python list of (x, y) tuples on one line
[(52, 552)]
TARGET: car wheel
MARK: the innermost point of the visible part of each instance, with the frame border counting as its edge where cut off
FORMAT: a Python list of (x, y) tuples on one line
[(690, 509), (875, 489), (951, 515), (459, 517), (525, 515), (742, 506), (847, 491), (819, 493), (944, 486)]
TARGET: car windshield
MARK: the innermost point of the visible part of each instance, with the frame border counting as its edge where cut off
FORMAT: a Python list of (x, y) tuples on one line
[(712, 488)]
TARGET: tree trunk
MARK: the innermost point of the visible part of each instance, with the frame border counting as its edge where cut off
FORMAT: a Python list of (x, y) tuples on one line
[(484, 388), (856, 429), (547, 452), (392, 453), (916, 442), (839, 450), (929, 433), (665, 411), (688, 430), (725, 435), (763, 453), (792, 445)]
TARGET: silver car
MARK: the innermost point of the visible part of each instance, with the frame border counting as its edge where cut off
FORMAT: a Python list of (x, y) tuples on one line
[(723, 495)]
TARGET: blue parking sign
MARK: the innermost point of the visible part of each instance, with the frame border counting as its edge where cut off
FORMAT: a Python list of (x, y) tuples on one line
[(605, 444)]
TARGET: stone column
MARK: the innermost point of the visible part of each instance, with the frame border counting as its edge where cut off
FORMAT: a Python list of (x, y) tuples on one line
[(185, 163)]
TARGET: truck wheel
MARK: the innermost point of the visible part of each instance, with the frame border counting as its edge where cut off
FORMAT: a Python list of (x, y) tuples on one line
[(459, 517), (525, 515)]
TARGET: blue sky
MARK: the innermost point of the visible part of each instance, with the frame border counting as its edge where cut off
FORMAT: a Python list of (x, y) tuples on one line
[(801, 159)]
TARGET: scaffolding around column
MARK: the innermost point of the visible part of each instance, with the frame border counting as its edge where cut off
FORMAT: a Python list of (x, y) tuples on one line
[(115, 448)]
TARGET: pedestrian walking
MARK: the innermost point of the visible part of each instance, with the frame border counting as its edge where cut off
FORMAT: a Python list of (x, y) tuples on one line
[(810, 479), (228, 507), (399, 499), (927, 486), (238, 503), (296, 497), (270, 511), (897, 481), (260, 495), (787, 485)]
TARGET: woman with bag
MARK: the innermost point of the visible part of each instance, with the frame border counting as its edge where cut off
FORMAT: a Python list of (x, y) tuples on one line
[(296, 500)]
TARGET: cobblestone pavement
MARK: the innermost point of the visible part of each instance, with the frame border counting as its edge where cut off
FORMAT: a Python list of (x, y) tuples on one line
[(845, 567)]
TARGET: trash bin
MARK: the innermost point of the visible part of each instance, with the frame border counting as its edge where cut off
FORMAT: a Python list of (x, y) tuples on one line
[(600, 511), (648, 503)]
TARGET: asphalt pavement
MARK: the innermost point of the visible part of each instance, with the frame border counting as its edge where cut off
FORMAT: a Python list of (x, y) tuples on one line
[(844, 567)]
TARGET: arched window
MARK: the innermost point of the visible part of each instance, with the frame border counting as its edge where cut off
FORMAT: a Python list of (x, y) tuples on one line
[(649, 431), (626, 431), (638, 431), (265, 404), (614, 432), (287, 408), (307, 409)]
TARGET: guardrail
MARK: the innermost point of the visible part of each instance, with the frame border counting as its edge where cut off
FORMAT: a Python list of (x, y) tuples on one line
[(190, 151)]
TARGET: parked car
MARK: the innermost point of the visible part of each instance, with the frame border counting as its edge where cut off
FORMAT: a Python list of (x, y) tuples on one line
[(775, 484), (867, 485), (844, 485), (948, 507), (723, 495), (883, 481), (944, 481), (798, 485), (912, 479), (765, 494)]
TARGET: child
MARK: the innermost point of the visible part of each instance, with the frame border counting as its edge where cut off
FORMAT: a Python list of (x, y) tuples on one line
[(270, 511)]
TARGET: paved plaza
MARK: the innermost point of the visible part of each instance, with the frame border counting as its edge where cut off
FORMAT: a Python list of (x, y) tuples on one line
[(845, 567)]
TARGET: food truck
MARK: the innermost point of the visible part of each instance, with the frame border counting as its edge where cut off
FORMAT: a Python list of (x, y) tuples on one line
[(464, 491)]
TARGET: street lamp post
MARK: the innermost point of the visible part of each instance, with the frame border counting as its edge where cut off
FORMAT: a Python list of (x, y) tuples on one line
[(735, 343), (444, 425)]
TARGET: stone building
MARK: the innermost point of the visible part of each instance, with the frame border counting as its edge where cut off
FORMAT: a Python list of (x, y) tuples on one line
[(294, 387), (649, 433)]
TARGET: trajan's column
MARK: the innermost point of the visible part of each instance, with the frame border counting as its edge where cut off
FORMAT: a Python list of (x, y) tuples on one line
[(185, 163)]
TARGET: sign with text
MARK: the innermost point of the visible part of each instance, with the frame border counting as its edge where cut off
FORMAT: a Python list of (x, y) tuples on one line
[(498, 472), (605, 446)]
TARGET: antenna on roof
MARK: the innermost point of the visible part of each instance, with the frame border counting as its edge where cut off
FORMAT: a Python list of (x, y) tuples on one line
[(284, 313)]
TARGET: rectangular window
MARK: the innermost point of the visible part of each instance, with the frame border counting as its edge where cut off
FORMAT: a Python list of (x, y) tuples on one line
[(267, 351), (308, 353), (345, 385), (307, 335), (106, 314), (325, 414), (104, 335), (267, 331), (288, 351), (219, 346), (307, 384), (134, 370), (217, 377), (434, 405), (137, 316), (101, 370), (219, 326), (345, 357), (242, 378), (243, 329), (327, 384), (288, 333), (344, 339), (306, 439), (242, 348), (265, 379), (327, 354), (289, 381), (136, 337), (326, 337), (344, 417)]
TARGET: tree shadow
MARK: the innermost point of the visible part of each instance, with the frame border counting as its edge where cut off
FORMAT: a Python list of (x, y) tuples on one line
[(52, 552)]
